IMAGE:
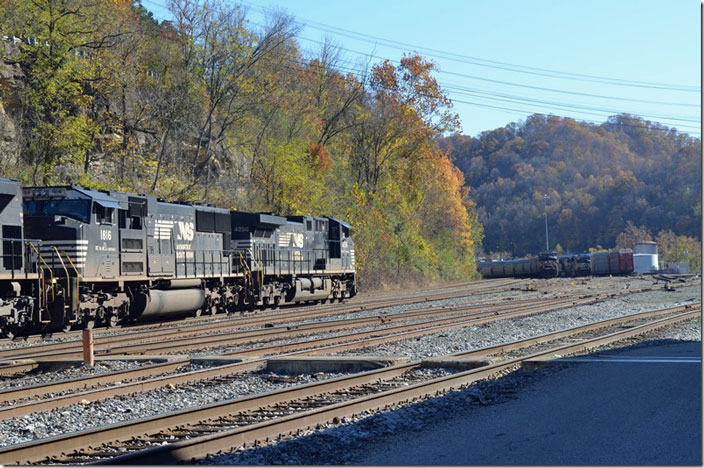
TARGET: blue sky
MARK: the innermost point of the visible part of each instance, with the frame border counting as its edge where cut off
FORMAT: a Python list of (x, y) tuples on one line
[(601, 57)]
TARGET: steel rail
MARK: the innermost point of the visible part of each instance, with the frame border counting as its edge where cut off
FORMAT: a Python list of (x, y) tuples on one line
[(217, 340), (249, 336), (222, 321), (93, 380), (17, 368), (306, 347), (403, 332), (41, 449), (191, 449), (65, 348)]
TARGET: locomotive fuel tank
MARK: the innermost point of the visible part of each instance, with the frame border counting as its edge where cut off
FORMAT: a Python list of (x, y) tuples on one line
[(171, 302), (310, 289)]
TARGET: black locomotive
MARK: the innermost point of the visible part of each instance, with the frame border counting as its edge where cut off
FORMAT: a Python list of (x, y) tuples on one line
[(84, 257), (575, 265)]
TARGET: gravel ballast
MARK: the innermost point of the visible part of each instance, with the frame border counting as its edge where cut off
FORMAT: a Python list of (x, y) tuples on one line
[(348, 443), (80, 417)]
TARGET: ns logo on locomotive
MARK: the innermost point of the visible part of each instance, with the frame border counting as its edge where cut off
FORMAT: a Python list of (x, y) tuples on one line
[(76, 258)]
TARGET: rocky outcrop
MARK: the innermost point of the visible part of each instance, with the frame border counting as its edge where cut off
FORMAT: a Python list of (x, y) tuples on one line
[(11, 79)]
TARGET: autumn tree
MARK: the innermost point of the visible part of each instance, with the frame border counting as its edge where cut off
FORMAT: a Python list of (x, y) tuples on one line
[(673, 249), (210, 107), (405, 108), (60, 56), (632, 235), (601, 177)]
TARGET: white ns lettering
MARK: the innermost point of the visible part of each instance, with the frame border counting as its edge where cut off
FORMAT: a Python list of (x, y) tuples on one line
[(186, 231)]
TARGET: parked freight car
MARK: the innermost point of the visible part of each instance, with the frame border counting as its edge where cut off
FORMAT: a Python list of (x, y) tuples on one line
[(600, 263), (613, 262), (545, 265)]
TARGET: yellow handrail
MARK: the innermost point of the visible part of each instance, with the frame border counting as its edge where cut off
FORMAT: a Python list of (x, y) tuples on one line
[(68, 284), (47, 267), (78, 275), (78, 279)]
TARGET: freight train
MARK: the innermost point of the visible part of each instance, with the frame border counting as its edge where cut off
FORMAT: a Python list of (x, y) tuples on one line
[(613, 262), (544, 265), (77, 258), (548, 265)]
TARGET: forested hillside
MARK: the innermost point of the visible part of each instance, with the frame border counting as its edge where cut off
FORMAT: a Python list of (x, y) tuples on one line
[(598, 179), (212, 108)]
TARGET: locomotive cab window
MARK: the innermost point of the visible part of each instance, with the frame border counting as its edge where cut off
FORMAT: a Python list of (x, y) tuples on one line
[(75, 209), (102, 215), (128, 222), (309, 225)]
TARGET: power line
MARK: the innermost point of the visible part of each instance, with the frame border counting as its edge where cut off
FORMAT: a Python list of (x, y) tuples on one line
[(523, 111), (462, 75), (582, 109), (553, 90), (575, 107), (478, 61)]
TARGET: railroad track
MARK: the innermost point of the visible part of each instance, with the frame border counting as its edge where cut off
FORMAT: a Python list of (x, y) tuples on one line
[(324, 345), (255, 358), (216, 334), (248, 320), (193, 336), (197, 432)]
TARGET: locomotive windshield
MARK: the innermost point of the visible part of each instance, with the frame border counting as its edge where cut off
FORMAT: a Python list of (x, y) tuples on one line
[(75, 209)]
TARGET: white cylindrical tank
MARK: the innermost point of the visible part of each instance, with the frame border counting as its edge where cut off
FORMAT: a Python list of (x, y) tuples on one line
[(644, 263), (646, 247)]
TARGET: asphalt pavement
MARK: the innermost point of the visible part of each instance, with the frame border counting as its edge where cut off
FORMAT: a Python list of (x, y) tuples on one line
[(638, 406)]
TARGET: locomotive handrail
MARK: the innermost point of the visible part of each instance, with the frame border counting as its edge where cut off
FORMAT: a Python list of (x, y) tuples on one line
[(44, 293), (78, 275), (68, 284), (222, 262), (51, 273)]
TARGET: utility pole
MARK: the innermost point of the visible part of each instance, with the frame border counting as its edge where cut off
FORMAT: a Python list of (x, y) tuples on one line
[(547, 243)]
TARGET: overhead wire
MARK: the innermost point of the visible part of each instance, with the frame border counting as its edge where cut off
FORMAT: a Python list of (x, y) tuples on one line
[(477, 61), (455, 89)]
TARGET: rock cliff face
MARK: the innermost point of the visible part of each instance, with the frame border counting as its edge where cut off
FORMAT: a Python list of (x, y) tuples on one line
[(11, 78)]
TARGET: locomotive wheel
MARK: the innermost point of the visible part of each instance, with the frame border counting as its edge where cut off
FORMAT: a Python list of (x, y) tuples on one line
[(67, 327), (197, 313), (112, 321), (89, 324), (277, 302)]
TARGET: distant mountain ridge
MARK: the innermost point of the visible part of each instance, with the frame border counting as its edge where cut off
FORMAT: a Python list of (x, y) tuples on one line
[(598, 178)]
